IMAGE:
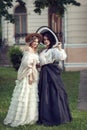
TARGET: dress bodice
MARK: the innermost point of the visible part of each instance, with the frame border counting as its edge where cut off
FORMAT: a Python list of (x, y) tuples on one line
[(51, 55), (29, 58), (28, 64)]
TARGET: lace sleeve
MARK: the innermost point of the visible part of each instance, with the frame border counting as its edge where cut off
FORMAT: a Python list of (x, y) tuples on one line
[(59, 54)]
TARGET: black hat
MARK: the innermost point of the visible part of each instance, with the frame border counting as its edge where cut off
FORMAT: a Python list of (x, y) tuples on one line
[(46, 30)]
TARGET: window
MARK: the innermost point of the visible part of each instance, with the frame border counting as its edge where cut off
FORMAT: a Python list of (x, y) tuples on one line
[(55, 22), (20, 21)]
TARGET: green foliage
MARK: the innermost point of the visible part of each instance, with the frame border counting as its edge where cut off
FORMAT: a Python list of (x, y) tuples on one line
[(15, 56), (56, 6), (0, 29), (5, 5), (41, 47)]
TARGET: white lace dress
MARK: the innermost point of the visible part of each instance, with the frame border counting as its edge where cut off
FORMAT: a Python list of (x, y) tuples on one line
[(23, 108)]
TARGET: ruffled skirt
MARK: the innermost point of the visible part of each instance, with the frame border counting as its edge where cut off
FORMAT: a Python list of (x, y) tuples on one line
[(23, 108)]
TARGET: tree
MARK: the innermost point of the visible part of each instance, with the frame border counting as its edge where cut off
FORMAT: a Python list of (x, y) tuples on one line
[(5, 5), (59, 6), (56, 6)]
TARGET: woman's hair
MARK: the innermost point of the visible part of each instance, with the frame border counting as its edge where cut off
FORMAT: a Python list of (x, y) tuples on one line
[(50, 38)]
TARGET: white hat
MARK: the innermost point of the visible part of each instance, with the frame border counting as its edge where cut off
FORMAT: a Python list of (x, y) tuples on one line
[(44, 29)]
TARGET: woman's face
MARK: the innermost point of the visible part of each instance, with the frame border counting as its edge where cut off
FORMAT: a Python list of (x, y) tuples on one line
[(46, 41), (35, 43)]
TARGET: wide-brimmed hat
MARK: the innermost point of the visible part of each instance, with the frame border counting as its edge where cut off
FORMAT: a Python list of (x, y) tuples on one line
[(44, 30), (29, 38)]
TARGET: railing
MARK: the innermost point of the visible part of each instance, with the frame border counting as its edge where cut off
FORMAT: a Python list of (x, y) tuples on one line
[(20, 38)]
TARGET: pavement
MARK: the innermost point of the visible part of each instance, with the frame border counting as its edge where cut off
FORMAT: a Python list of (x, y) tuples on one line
[(82, 97)]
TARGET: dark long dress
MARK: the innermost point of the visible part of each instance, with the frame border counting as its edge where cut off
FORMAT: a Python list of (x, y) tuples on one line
[(53, 104)]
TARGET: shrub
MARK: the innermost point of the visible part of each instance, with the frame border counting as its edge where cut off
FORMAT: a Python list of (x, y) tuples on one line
[(41, 47), (15, 54)]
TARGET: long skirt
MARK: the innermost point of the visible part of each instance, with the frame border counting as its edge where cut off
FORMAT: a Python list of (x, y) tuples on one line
[(53, 101), (23, 107)]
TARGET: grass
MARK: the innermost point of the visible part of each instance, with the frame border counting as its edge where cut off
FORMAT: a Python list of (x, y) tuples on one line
[(71, 82)]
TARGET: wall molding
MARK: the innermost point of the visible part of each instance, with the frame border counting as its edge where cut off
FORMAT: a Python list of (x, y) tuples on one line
[(75, 65), (75, 45)]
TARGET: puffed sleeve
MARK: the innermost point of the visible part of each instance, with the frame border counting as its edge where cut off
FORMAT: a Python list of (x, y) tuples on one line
[(26, 66), (59, 55)]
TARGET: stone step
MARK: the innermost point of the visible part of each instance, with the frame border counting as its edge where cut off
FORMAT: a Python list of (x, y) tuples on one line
[(4, 58)]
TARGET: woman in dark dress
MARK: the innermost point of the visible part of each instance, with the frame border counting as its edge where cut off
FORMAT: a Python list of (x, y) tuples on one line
[(53, 101)]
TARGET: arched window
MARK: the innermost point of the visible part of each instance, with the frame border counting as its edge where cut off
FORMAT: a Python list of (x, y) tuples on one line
[(20, 21), (55, 23)]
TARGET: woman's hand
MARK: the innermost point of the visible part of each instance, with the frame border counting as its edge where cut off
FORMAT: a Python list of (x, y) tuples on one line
[(60, 46), (30, 79), (37, 66)]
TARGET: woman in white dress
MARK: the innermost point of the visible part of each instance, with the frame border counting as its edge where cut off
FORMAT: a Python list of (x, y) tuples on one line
[(23, 108), (53, 99)]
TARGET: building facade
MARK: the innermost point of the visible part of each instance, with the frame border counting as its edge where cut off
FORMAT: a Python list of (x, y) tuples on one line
[(76, 37), (71, 30)]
